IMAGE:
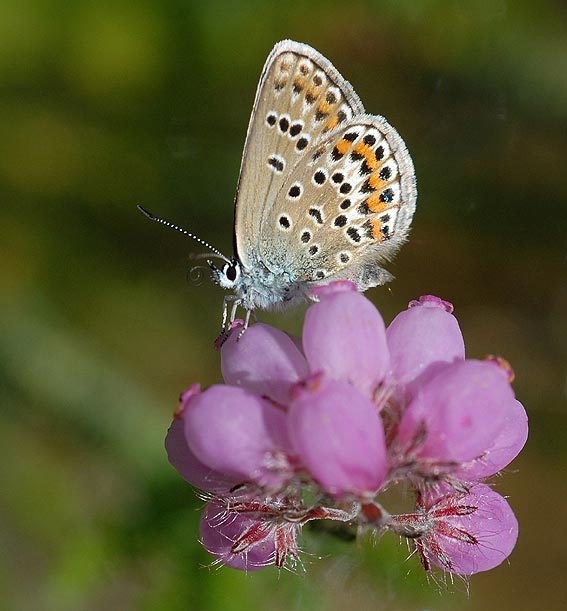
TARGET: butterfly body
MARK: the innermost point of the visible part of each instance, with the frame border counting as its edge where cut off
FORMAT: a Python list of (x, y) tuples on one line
[(260, 288)]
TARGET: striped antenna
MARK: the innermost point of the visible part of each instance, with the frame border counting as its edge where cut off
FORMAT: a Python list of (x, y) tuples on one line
[(183, 231)]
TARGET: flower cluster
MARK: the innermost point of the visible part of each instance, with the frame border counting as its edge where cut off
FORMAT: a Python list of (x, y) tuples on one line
[(317, 429)]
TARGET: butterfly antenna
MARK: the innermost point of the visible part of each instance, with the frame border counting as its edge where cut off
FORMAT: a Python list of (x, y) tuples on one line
[(155, 218)]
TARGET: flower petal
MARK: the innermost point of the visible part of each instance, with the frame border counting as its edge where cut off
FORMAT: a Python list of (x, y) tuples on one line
[(220, 529), (421, 340), (237, 433), (344, 336), (187, 464), (461, 411), (264, 360), (505, 447), (339, 437), (492, 531)]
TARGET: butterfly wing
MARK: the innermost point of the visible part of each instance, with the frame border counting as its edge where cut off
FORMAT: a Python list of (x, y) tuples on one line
[(346, 208), (300, 98)]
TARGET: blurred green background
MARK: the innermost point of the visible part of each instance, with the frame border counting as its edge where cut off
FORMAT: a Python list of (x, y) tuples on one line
[(107, 104)]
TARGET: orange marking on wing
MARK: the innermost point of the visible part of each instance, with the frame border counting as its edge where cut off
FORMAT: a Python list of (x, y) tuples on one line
[(324, 107), (343, 146), (375, 181), (375, 204), (362, 149), (377, 230), (312, 93), (368, 153), (371, 160), (299, 83), (332, 122)]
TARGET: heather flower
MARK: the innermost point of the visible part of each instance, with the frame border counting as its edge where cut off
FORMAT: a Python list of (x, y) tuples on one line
[(264, 360), (189, 466), (457, 414), (344, 336), (421, 341), (238, 433), (223, 533), (462, 532), (338, 436), (318, 428), (504, 448)]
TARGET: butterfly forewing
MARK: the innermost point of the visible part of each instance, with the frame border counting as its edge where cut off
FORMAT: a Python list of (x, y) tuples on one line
[(300, 98)]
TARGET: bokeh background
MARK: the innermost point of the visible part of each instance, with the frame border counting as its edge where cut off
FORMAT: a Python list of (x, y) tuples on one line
[(107, 104)]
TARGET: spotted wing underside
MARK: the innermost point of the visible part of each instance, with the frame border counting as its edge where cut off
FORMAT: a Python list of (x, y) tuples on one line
[(301, 98), (346, 208)]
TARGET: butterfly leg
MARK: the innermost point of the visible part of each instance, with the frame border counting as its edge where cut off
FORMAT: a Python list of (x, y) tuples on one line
[(227, 299), (225, 329), (234, 309), (224, 312), (246, 323)]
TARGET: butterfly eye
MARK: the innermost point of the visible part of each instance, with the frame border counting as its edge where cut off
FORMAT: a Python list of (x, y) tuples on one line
[(231, 271)]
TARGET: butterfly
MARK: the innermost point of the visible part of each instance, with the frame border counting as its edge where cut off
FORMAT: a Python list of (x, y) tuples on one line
[(326, 192)]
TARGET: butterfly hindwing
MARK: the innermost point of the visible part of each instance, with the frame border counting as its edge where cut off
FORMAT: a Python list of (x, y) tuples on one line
[(347, 207), (300, 98)]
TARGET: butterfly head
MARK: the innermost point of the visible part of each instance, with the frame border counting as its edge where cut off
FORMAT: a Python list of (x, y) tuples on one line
[(227, 276)]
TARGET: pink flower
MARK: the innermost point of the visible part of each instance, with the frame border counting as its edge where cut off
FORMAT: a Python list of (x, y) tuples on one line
[(507, 444), (236, 540), (458, 413), (237, 433), (188, 465), (318, 430), (460, 532), (339, 437), (422, 340), (345, 338), (264, 360)]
